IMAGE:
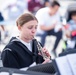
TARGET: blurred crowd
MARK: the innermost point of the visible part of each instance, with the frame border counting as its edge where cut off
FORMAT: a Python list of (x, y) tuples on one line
[(63, 27), (13, 8)]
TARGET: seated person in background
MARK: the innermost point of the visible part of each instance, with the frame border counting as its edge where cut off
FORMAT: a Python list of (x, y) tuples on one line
[(22, 50), (49, 24), (2, 19), (2, 28), (34, 5), (71, 31)]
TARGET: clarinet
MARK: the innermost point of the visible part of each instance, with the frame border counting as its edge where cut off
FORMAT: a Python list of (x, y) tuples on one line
[(40, 50)]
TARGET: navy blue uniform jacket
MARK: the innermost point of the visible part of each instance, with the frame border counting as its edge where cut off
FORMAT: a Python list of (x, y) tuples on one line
[(17, 55)]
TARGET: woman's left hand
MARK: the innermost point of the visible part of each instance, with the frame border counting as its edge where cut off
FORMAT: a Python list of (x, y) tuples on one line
[(45, 51)]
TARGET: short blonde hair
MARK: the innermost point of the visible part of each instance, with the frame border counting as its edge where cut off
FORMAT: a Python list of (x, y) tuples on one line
[(24, 18)]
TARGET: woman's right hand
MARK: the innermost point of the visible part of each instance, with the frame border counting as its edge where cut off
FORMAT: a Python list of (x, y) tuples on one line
[(46, 61)]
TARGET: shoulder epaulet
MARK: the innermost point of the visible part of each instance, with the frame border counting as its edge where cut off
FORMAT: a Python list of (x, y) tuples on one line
[(7, 49)]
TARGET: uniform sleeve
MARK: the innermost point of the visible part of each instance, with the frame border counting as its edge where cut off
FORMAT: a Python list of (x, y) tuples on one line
[(40, 59), (9, 59)]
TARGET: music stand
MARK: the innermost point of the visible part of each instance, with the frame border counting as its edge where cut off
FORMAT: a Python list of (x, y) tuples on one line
[(47, 68), (11, 71), (69, 51)]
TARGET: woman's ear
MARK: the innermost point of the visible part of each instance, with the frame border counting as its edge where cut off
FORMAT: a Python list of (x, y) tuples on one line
[(19, 27)]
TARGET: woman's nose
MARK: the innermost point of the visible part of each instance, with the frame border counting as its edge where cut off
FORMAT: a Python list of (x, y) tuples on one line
[(34, 30)]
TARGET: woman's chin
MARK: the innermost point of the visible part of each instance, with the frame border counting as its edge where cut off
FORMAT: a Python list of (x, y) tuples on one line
[(31, 38)]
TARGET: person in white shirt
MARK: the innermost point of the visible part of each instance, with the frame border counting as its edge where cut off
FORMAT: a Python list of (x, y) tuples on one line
[(49, 23)]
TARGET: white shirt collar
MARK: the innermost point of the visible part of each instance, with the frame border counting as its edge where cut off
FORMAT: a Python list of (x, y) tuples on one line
[(28, 45)]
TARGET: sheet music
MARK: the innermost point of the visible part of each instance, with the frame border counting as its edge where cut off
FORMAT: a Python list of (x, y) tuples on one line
[(72, 62), (19, 74), (4, 73), (63, 66)]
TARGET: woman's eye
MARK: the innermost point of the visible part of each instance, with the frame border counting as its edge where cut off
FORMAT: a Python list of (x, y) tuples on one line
[(36, 27), (30, 27)]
